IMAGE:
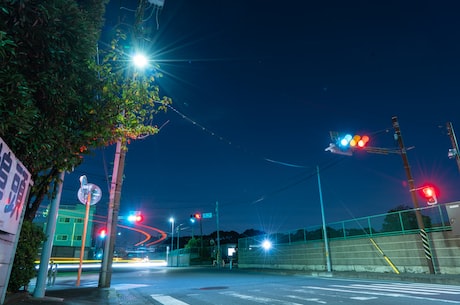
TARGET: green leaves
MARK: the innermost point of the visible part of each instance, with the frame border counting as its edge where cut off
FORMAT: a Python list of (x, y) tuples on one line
[(56, 102)]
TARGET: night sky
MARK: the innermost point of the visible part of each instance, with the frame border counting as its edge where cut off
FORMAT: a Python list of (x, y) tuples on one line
[(258, 85)]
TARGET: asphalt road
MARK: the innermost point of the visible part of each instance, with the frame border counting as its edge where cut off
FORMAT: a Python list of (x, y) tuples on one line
[(213, 286)]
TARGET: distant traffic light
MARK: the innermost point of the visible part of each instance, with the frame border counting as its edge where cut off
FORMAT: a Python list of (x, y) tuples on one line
[(429, 193), (136, 217), (102, 233), (194, 217)]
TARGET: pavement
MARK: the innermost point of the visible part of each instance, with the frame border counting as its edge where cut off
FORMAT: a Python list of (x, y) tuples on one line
[(65, 291)]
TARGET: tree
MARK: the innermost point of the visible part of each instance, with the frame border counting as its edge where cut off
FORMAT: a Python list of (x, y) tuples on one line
[(47, 96), (403, 218), (252, 232), (24, 268), (56, 102)]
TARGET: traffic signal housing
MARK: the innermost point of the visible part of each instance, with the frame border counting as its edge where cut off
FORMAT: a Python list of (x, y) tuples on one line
[(356, 141), (195, 217), (102, 233), (429, 193), (136, 217), (345, 144)]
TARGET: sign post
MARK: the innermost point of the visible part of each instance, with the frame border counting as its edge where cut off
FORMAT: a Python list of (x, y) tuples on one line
[(88, 194)]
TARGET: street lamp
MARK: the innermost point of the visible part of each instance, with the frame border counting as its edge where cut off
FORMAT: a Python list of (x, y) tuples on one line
[(140, 60), (105, 275), (171, 220), (178, 234)]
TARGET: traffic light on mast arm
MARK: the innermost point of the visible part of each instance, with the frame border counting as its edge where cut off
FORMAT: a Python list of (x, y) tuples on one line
[(356, 141), (345, 144)]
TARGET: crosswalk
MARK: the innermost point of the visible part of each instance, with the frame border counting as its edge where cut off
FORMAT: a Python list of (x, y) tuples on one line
[(324, 294)]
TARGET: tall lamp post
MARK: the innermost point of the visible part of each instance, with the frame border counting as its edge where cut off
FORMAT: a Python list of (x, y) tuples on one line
[(171, 220), (105, 275)]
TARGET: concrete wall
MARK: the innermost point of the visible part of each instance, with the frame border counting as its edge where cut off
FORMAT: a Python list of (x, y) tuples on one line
[(405, 252)]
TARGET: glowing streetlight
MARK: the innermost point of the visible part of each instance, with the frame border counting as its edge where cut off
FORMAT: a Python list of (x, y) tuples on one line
[(140, 60), (267, 244)]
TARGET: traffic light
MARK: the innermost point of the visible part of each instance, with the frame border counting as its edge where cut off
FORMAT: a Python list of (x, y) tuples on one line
[(194, 217), (136, 217), (429, 193), (102, 233), (356, 141)]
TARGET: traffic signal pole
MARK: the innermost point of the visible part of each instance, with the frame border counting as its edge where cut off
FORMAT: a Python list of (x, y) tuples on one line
[(410, 180), (453, 139)]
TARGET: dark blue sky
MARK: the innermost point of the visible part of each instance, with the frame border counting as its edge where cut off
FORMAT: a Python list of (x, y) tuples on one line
[(257, 80)]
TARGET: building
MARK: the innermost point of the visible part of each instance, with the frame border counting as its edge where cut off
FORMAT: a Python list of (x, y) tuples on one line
[(67, 241)]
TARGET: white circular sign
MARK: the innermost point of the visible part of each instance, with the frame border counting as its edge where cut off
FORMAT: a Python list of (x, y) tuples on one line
[(85, 190)]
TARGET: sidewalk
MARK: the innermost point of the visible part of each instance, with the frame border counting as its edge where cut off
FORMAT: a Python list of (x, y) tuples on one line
[(65, 292)]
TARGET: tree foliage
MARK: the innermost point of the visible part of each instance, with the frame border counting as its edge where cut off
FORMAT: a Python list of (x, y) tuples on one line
[(56, 102), (403, 218), (24, 268)]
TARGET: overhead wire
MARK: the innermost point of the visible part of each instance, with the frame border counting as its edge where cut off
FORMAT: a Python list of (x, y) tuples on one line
[(300, 178)]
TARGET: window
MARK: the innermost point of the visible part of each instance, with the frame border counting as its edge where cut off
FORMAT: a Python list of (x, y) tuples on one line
[(61, 237), (64, 219)]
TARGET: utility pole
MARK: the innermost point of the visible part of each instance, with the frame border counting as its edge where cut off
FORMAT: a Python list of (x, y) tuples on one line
[(105, 276), (454, 152), (219, 255), (410, 180), (326, 241)]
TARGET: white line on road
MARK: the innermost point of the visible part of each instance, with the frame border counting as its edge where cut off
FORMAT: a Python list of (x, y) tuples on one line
[(167, 300), (387, 288), (396, 295), (262, 300), (128, 286), (316, 300)]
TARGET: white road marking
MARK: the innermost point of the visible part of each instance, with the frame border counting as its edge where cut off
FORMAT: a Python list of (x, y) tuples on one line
[(387, 288), (316, 300), (262, 300), (167, 300), (363, 298), (128, 286), (402, 295)]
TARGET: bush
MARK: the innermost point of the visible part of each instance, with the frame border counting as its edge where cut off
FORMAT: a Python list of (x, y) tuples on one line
[(26, 252)]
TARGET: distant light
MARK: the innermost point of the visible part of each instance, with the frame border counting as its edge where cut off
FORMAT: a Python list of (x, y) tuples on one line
[(103, 233), (266, 244), (140, 60), (136, 217)]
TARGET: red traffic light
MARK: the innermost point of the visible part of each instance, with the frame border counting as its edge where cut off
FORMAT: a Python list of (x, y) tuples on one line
[(359, 141), (102, 233), (197, 215), (429, 193), (136, 217)]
